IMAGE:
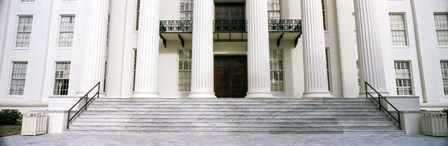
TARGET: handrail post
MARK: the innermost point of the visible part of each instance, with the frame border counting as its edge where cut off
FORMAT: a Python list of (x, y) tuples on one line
[(99, 89), (87, 101), (68, 119), (379, 100), (399, 120), (365, 86)]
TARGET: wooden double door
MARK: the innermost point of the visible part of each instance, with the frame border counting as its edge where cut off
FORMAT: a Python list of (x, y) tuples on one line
[(230, 76)]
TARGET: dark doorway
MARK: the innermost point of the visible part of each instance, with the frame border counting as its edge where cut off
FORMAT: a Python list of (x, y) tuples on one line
[(230, 76), (230, 11)]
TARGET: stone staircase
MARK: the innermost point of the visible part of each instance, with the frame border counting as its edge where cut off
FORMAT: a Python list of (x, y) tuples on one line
[(300, 116)]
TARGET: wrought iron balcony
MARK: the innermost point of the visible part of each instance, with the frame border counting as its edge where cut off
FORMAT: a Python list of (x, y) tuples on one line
[(285, 25), (230, 26), (176, 26)]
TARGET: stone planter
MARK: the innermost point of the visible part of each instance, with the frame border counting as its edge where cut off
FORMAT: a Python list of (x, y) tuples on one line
[(434, 123)]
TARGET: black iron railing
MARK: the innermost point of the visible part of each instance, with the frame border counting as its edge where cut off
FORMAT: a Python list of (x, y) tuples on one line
[(230, 25), (222, 26), (176, 26), (85, 98), (379, 101), (285, 25)]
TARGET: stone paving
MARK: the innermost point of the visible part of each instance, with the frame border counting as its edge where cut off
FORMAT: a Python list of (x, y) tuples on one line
[(201, 139)]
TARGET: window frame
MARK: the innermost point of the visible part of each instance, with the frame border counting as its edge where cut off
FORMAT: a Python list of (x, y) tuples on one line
[(410, 77), (444, 91), (436, 30), (60, 31), (54, 77), (11, 79), (182, 12), (277, 70), (184, 70), (405, 29), (279, 10), (17, 32)]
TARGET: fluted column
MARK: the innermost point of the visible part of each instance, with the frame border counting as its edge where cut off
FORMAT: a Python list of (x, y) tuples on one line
[(258, 49), (202, 60), (147, 50), (316, 84), (95, 45), (369, 44)]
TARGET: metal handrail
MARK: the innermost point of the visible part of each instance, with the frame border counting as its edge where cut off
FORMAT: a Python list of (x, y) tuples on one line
[(381, 107), (84, 107)]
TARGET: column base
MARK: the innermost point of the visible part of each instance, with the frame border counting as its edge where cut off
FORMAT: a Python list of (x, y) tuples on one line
[(198, 94), (153, 94), (310, 94), (256, 94)]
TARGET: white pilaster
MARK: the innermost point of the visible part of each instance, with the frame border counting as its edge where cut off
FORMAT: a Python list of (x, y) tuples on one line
[(316, 84), (202, 60), (95, 46), (258, 49), (369, 44), (147, 50)]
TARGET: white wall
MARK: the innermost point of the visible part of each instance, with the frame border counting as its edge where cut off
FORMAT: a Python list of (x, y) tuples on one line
[(4, 11)]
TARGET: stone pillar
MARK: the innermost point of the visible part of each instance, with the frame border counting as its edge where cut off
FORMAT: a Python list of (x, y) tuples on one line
[(147, 50), (95, 45), (316, 84), (258, 49), (202, 77), (369, 45)]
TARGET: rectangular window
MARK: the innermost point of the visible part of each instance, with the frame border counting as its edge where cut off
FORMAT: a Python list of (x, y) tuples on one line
[(185, 70), (61, 78), (66, 31), (276, 66), (444, 66), (398, 29), (27, 1), (274, 9), (324, 13), (186, 9), (137, 15), (135, 70), (403, 77), (328, 67), (18, 78), (24, 27), (441, 21)]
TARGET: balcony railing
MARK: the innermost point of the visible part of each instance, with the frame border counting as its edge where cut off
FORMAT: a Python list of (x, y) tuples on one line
[(285, 25), (167, 26), (238, 26)]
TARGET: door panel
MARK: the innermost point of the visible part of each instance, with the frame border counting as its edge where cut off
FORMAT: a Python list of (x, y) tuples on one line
[(230, 76)]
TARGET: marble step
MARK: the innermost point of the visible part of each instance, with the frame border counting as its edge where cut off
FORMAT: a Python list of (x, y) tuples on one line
[(252, 120), (244, 124), (229, 116), (297, 109), (239, 112), (231, 128), (232, 99), (234, 102), (231, 106)]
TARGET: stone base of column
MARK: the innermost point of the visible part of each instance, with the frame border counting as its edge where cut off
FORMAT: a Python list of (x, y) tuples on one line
[(202, 95), (254, 94), (317, 95), (153, 94)]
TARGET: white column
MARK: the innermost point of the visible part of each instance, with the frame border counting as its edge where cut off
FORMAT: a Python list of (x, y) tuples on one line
[(147, 50), (316, 84), (369, 44), (95, 45), (258, 49), (202, 60)]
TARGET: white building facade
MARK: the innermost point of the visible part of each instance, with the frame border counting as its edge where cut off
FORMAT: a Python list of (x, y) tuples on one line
[(222, 48)]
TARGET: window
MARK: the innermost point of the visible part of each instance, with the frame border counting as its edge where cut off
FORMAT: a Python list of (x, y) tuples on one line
[(398, 29), (444, 66), (186, 9), (324, 13), (24, 27), (185, 70), (274, 9), (441, 21), (61, 78), (138, 15), (27, 1), (135, 70), (276, 66), (18, 78), (328, 67), (403, 77), (66, 31)]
